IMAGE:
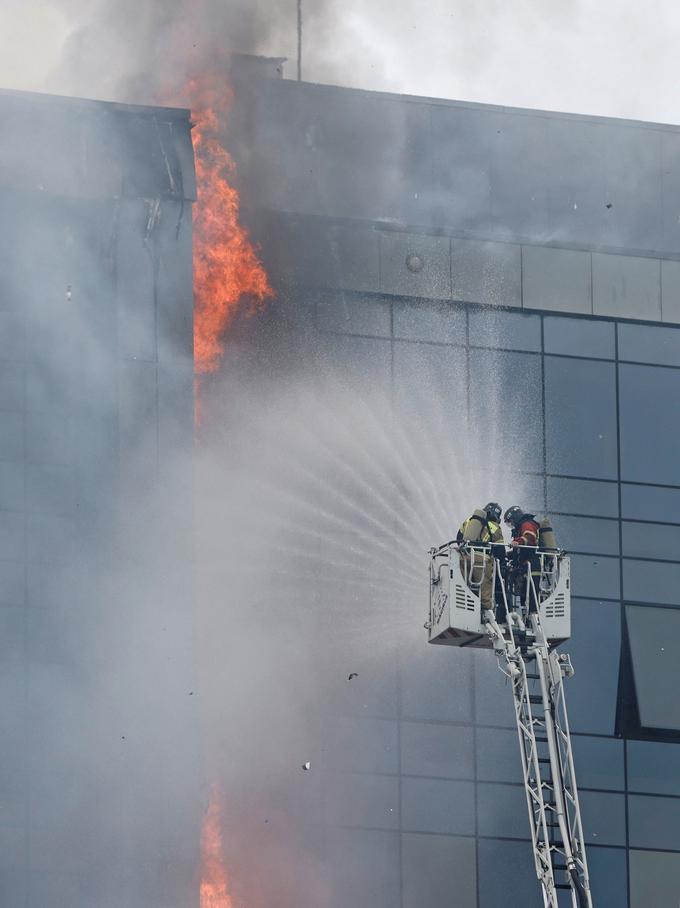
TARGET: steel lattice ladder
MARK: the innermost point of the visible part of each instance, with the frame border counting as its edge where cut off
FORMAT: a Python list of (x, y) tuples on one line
[(537, 673)]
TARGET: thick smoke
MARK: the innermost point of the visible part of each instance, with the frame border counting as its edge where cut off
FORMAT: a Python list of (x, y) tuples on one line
[(320, 487), (321, 491), (559, 56)]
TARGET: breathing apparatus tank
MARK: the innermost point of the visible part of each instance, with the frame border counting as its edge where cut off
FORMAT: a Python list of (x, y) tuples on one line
[(546, 536), (474, 526)]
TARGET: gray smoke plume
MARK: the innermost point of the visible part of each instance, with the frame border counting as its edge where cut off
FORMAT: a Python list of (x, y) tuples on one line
[(559, 56), (320, 494)]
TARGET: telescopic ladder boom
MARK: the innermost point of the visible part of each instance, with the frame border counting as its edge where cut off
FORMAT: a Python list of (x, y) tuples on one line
[(532, 616)]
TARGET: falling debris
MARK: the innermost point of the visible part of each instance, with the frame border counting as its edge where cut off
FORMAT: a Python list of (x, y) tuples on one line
[(306, 766), (608, 205), (353, 675)]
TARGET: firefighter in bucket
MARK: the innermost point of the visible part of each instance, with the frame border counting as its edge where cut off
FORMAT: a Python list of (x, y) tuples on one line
[(530, 540), (482, 530)]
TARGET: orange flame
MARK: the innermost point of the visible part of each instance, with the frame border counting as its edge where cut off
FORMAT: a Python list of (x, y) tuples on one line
[(227, 271), (214, 890)]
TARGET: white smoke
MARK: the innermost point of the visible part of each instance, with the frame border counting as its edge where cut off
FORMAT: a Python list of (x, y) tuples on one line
[(609, 58)]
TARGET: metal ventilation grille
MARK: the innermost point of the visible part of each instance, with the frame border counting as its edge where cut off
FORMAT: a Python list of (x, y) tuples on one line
[(556, 608), (464, 599)]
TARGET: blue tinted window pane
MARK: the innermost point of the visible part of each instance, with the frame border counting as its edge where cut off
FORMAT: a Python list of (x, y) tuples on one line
[(654, 637), (498, 756), (502, 811), (650, 503), (648, 540), (649, 451), (654, 879), (365, 867), (598, 762), (583, 496), (604, 818), (450, 699), (654, 767), (506, 330), (649, 344), (580, 411), (654, 822), (501, 386), (507, 867), (596, 576), (364, 745), (437, 805), (493, 698), (437, 750), (649, 581), (607, 871), (430, 863), (579, 337), (586, 534), (441, 323), (594, 648), (358, 799)]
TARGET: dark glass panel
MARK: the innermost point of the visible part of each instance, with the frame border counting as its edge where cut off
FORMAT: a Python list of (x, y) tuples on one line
[(586, 534), (437, 750), (583, 496), (505, 330), (654, 879), (598, 762), (654, 822), (432, 865), (442, 323), (649, 344), (437, 805), (594, 647), (654, 638), (580, 409), (579, 337), (653, 767), (507, 867), (648, 540), (650, 503), (648, 398), (649, 581)]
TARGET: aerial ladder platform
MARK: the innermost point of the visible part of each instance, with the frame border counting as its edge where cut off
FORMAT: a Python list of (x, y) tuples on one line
[(532, 617)]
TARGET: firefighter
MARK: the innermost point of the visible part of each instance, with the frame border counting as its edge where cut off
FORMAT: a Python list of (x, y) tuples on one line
[(482, 528), (525, 535)]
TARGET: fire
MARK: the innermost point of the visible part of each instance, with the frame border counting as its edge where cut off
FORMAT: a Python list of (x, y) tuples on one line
[(214, 890), (227, 271)]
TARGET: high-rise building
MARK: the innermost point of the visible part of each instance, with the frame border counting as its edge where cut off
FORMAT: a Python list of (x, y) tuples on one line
[(523, 269), (99, 770)]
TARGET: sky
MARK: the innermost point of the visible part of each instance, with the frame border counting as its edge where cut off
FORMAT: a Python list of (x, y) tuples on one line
[(614, 58)]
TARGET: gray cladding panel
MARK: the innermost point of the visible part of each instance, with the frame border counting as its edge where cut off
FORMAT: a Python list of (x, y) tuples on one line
[(670, 190), (503, 173), (462, 142), (431, 254), (374, 156), (520, 175), (488, 273), (556, 279), (577, 201), (632, 164), (626, 286), (670, 290), (319, 253)]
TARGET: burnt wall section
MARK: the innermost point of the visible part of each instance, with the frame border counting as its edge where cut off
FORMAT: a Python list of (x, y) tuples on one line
[(98, 765), (493, 205)]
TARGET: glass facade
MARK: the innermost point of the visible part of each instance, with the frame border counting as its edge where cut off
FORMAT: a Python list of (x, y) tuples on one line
[(588, 405)]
